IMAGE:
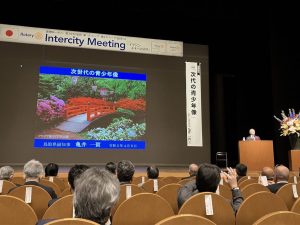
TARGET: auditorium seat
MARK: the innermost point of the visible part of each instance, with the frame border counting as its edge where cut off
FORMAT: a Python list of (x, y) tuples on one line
[(252, 189), (224, 191), (170, 193), (62, 208), (296, 206), (279, 218), (6, 186), (184, 181), (138, 180), (52, 185), (18, 180), (170, 180), (123, 194), (148, 186), (72, 221), (258, 205), (65, 192), (246, 182), (185, 219), (142, 209), (39, 199), (14, 211), (59, 182), (286, 194), (222, 210)]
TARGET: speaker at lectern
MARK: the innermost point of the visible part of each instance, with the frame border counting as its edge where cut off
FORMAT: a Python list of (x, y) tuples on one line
[(256, 154)]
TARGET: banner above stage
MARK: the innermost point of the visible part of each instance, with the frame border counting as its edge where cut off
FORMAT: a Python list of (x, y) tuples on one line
[(193, 104), (43, 36)]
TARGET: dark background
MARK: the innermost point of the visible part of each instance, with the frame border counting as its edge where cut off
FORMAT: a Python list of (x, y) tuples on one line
[(253, 53)]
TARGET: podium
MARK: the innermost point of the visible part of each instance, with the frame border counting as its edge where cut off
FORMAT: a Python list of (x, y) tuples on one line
[(256, 154), (294, 160)]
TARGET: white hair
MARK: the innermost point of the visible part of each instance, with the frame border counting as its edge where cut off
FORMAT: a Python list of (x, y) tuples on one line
[(96, 193), (33, 169), (6, 172)]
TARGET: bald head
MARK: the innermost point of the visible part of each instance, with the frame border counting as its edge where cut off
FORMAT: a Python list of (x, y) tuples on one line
[(193, 169), (281, 173), (268, 172)]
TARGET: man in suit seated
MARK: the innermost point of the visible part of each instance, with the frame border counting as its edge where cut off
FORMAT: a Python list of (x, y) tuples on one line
[(96, 193), (6, 173), (193, 169), (269, 173), (252, 136), (33, 171), (125, 171), (281, 177), (207, 180)]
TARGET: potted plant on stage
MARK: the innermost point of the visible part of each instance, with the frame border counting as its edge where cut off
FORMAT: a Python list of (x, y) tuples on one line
[(290, 126)]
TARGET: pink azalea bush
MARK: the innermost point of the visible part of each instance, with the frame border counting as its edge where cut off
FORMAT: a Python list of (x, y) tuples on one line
[(49, 110)]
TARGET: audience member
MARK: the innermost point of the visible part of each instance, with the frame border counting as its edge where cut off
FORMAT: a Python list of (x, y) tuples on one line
[(193, 169), (51, 170), (281, 177), (241, 170), (96, 193), (105, 189), (74, 173), (111, 167), (207, 180), (152, 172), (33, 171), (269, 173), (6, 173), (125, 171)]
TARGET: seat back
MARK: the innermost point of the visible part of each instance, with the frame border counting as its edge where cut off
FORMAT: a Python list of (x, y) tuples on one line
[(184, 181), (258, 205), (222, 210), (247, 182), (170, 180), (6, 186), (296, 206), (62, 208), (286, 193), (72, 221), (124, 194), (170, 193), (279, 218), (144, 208), (225, 191), (65, 192), (138, 180), (148, 186), (58, 181), (244, 178), (52, 185), (252, 189), (39, 198), (186, 219), (18, 180), (14, 211)]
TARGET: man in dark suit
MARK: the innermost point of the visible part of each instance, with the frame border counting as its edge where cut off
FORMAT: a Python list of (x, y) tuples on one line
[(207, 180), (281, 177), (33, 171), (193, 169)]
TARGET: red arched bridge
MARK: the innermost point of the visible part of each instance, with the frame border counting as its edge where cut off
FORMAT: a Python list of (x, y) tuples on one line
[(93, 107), (81, 111)]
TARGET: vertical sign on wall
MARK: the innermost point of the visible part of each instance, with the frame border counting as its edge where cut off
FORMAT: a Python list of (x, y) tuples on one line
[(193, 104)]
